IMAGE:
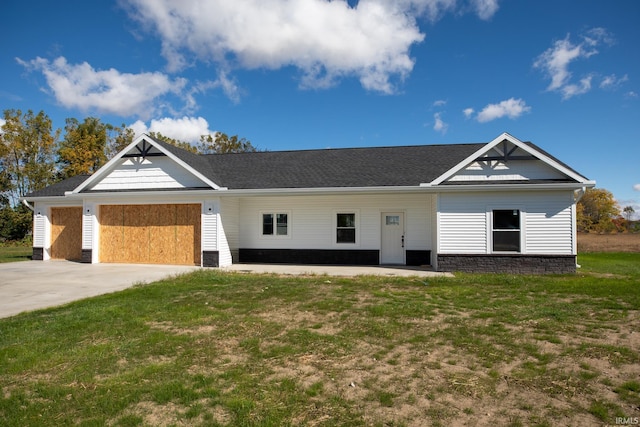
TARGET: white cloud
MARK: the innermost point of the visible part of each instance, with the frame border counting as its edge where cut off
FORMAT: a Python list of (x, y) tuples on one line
[(573, 89), (612, 81), (187, 129), (485, 8), (106, 91), (439, 103), (468, 112), (636, 187), (2, 123), (326, 40), (556, 60), (439, 125), (511, 108)]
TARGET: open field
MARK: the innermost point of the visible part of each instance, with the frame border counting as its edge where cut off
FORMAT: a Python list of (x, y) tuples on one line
[(261, 350), (620, 242)]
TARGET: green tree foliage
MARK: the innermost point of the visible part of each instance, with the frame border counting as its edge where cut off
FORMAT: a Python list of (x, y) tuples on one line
[(628, 212), (27, 147), (221, 143), (119, 138), (15, 222), (177, 143), (88, 145), (596, 211), (83, 149)]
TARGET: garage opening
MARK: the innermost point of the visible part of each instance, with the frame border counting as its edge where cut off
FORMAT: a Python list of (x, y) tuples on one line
[(150, 234), (66, 233)]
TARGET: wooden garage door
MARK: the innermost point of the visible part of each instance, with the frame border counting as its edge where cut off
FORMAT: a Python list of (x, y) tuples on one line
[(150, 234), (66, 233)]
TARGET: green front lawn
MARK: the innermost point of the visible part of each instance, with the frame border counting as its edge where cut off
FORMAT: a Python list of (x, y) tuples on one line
[(15, 253), (213, 348)]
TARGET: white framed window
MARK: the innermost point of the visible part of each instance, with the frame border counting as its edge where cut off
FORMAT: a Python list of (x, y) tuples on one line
[(275, 224), (346, 227), (506, 230)]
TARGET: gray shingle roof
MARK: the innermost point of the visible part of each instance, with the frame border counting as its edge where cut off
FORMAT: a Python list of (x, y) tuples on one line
[(346, 167), (59, 188), (343, 167)]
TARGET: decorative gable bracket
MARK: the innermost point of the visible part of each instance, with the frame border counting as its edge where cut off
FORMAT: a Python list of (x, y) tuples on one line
[(144, 151), (506, 154)]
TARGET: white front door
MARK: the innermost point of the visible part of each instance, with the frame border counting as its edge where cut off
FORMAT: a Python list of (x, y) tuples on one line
[(392, 251)]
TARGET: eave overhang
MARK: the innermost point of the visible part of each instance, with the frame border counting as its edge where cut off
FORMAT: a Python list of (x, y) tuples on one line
[(422, 188)]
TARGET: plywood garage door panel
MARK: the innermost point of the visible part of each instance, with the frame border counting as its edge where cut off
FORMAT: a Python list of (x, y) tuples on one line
[(186, 234), (154, 234), (66, 233)]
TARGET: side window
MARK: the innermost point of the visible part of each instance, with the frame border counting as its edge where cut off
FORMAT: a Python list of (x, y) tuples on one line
[(346, 228), (267, 224), (275, 224), (506, 230)]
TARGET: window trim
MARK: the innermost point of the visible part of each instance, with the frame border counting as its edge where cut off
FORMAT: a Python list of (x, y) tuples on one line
[(521, 230), (274, 214), (334, 228)]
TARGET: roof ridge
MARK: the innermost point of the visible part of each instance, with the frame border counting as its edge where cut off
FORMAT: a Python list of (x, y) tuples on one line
[(348, 148)]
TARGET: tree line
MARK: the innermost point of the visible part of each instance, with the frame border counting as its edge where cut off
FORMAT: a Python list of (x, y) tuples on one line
[(598, 212), (34, 155)]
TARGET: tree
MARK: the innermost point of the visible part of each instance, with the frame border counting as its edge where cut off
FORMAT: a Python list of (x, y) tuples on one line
[(83, 149), (176, 142), (15, 222), (27, 146), (222, 144), (628, 212), (119, 138), (596, 210)]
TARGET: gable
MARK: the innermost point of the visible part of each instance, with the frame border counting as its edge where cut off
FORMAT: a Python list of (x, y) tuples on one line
[(506, 159), (507, 162), (147, 164), (145, 173)]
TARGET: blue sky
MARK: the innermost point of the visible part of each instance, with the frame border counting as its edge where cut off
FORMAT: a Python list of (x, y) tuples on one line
[(314, 74)]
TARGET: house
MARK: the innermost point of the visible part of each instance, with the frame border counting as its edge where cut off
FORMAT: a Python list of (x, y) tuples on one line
[(505, 205)]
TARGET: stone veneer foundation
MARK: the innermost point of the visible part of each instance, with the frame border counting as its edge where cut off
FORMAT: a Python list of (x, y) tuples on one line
[(507, 263)]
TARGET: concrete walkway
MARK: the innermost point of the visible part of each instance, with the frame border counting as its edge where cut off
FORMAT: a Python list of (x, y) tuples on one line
[(32, 285), (335, 270)]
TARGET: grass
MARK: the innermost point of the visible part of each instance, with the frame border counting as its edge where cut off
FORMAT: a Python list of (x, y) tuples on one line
[(15, 253), (219, 349)]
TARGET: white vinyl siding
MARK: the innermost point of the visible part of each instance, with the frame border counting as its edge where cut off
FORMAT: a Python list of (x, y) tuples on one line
[(214, 237), (229, 227), (39, 226), (88, 225), (224, 250), (549, 226), (463, 225), (546, 221), (150, 173), (209, 233), (313, 220)]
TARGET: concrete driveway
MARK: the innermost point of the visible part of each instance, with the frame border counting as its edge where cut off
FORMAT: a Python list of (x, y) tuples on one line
[(31, 285)]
